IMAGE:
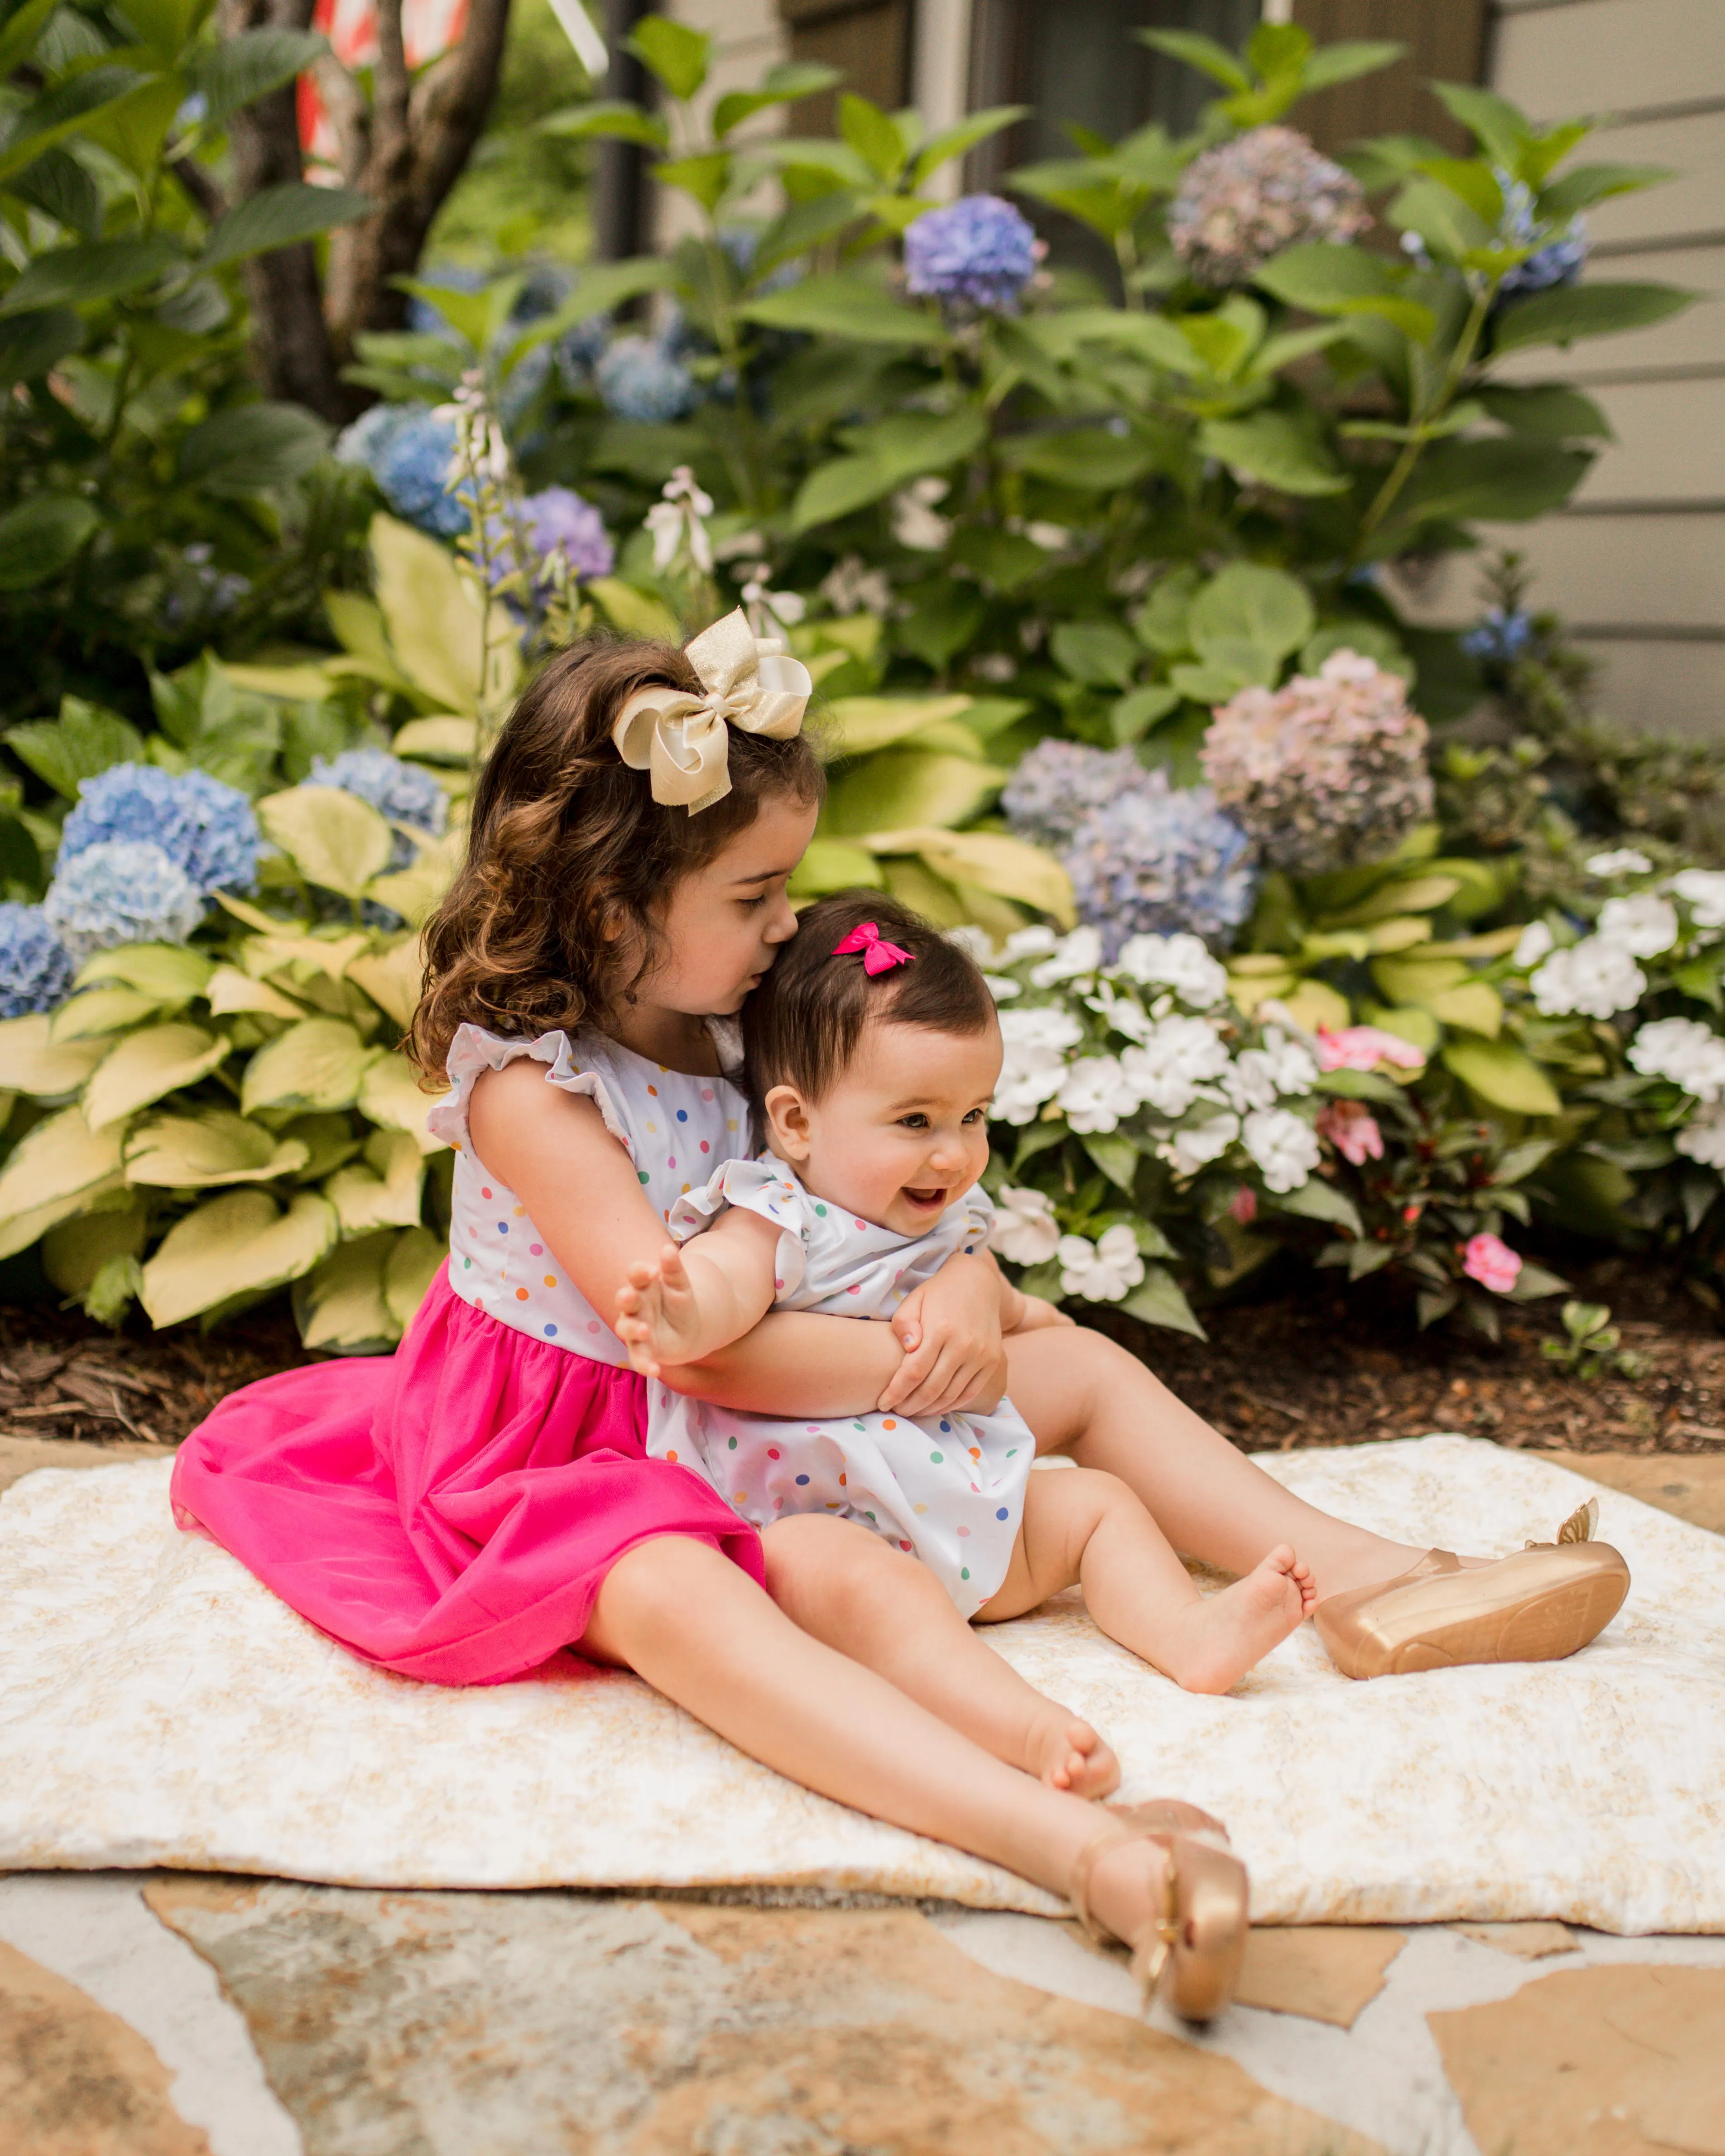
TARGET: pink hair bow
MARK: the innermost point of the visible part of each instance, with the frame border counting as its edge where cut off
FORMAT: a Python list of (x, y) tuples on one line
[(879, 955)]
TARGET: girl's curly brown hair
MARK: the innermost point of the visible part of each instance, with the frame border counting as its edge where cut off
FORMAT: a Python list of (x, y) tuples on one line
[(568, 843)]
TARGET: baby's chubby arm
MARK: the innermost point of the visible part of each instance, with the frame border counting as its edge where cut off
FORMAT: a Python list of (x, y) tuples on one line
[(699, 1297)]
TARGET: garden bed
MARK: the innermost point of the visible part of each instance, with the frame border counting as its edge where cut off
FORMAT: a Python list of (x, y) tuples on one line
[(1277, 1373)]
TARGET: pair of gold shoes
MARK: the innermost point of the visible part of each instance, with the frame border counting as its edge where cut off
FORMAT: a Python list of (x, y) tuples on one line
[(1547, 1601)]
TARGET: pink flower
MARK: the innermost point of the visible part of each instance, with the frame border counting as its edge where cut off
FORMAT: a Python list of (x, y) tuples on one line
[(1492, 1263), (1363, 1048), (1352, 1129), (1243, 1206)]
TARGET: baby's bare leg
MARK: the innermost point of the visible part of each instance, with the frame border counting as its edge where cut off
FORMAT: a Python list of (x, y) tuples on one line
[(1084, 1528), (846, 1588)]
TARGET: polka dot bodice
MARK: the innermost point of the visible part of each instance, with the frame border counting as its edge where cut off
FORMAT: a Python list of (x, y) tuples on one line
[(675, 1126), (949, 1488)]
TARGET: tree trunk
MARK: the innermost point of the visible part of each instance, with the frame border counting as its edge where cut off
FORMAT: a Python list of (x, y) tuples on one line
[(406, 150), (291, 353)]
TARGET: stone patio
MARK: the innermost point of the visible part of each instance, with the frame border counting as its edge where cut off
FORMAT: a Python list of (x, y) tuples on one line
[(170, 2014)]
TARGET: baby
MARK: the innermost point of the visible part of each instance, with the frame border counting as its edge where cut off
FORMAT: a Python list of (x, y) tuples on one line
[(872, 1051)]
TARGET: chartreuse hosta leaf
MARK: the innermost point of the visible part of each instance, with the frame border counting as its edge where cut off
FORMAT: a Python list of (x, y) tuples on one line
[(1503, 1077), (99, 1011), (381, 1190), (333, 838), (142, 1067), (60, 1167), (907, 786), (214, 1146), (236, 1246), (75, 1250), (341, 1307), (393, 978), (440, 738), (171, 973), (1007, 867), (32, 1061), (436, 622), (858, 725), (231, 990), (317, 1064), (391, 1095), (416, 891), (409, 1271)]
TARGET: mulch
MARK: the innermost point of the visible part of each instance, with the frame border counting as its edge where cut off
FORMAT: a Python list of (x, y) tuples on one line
[(1327, 1369)]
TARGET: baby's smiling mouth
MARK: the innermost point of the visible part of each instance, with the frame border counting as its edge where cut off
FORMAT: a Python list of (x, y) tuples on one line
[(926, 1201)]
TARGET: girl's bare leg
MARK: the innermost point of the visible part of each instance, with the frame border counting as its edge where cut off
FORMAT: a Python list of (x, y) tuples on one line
[(1088, 1529), (847, 1588), (700, 1631), (1080, 1393)]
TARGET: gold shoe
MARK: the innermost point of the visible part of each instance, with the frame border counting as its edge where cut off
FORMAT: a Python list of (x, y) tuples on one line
[(1545, 1602), (1200, 1937)]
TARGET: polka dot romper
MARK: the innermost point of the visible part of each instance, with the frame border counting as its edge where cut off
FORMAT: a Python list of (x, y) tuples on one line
[(948, 1488)]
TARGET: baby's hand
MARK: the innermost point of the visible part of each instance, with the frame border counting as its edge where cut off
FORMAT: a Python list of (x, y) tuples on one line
[(657, 1315)]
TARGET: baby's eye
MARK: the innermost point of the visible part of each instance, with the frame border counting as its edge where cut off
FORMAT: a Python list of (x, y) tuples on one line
[(977, 1116), (914, 1122)]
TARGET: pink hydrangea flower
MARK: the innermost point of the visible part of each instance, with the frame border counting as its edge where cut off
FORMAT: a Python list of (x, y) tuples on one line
[(1489, 1261), (1352, 1129), (1363, 1048)]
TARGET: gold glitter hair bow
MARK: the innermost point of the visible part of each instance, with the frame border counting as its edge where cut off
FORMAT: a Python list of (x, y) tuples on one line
[(683, 742)]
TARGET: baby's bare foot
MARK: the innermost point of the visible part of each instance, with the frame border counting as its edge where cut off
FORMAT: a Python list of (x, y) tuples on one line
[(1229, 1633), (1068, 1754)]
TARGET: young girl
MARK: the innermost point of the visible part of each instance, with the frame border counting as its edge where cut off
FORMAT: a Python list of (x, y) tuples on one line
[(466, 1509), (872, 1052)]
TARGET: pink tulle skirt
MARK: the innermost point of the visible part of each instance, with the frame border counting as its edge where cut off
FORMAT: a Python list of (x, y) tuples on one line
[(449, 1511)]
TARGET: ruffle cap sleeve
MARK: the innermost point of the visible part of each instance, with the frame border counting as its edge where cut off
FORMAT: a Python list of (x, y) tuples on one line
[(979, 1217), (474, 1051), (757, 1186)]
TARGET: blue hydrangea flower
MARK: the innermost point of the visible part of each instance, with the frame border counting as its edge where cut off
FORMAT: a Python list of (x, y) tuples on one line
[(557, 516), (405, 792), (1156, 862), (36, 968), (363, 442), (121, 890), (579, 350), (1500, 639), (638, 379), (977, 252), (1058, 783), (207, 829), (407, 452), (1561, 263)]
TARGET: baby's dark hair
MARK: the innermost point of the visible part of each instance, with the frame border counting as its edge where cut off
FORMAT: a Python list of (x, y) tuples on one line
[(566, 845), (802, 1025)]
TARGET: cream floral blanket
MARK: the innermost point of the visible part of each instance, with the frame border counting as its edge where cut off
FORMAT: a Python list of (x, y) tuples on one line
[(157, 1707)]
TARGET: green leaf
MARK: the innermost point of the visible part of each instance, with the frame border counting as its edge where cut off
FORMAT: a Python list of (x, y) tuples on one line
[(1370, 639), (1493, 121), (23, 26), (1157, 1299), (317, 1064), (1116, 1155), (76, 276), (1438, 216), (434, 616), (31, 1061), (64, 110), (843, 306), (1502, 1076), (889, 453), (250, 447), (779, 86), (606, 120), (1585, 184), (213, 1146), (1320, 277), (678, 56), (1350, 58), (161, 1058), (1099, 652), (240, 1245), (1582, 311), (282, 216), (1088, 458), (1550, 410), (874, 137), (61, 187), (1137, 712), (1318, 1200), (73, 1252), (408, 1272), (58, 1168), (636, 613), (134, 128), (40, 537), (905, 786), (1199, 52), (1006, 558), (392, 1095), (1276, 448), (333, 838), (803, 225), (35, 344), (243, 68), (99, 1011), (1247, 619), (1514, 478), (991, 860), (828, 865), (959, 140), (341, 1307), (858, 725), (83, 741), (383, 1190), (705, 177), (438, 740)]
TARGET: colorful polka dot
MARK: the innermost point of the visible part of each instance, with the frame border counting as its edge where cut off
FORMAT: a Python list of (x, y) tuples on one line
[(904, 1546), (467, 1264), (944, 1424), (521, 1295), (1001, 1514), (936, 1458), (484, 1194), (503, 1227), (551, 1333), (672, 1457), (654, 1090), (777, 1504), (705, 1147), (551, 1279), (671, 1162), (594, 1325), (778, 1284), (802, 1481), (642, 1175), (521, 1212), (842, 1482), (707, 1092), (820, 1209), (730, 1443), (653, 1128), (535, 1250), (964, 1531), (773, 1452), (731, 1122), (964, 1572), (888, 1424), (682, 1115)]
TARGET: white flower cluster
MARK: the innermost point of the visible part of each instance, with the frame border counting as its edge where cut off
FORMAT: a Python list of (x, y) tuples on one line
[(1599, 977), (1148, 1041)]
